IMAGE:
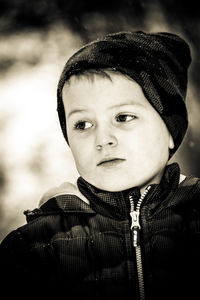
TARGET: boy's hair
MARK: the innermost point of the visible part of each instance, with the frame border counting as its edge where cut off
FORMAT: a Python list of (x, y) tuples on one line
[(90, 74), (158, 62)]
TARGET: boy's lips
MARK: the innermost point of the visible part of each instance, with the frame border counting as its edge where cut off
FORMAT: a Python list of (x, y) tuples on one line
[(110, 161)]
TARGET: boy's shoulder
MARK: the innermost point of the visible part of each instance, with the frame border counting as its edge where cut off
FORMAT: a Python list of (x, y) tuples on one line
[(188, 192), (55, 203), (190, 181), (65, 198)]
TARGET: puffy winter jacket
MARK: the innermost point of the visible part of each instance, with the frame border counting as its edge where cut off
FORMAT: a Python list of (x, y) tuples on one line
[(85, 242)]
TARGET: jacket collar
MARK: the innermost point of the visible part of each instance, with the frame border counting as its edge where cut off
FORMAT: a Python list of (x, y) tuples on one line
[(110, 204), (168, 185), (86, 198), (117, 205)]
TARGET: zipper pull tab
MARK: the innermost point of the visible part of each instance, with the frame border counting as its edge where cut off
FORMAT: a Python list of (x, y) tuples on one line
[(135, 219), (135, 228), (136, 236)]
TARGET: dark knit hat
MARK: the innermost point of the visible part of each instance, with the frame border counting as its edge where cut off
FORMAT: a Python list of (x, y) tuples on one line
[(158, 62)]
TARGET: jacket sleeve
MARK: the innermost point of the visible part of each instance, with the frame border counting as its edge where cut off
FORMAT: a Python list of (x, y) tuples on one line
[(13, 259)]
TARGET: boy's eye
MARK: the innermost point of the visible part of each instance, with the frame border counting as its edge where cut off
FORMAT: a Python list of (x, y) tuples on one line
[(82, 125), (125, 118)]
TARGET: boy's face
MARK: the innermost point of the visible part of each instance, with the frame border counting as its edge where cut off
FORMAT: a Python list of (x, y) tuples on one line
[(117, 138)]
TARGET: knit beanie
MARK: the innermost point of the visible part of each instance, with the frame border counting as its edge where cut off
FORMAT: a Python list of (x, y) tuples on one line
[(158, 62)]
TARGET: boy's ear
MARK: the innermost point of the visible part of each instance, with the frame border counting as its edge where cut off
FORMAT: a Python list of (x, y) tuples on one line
[(171, 142)]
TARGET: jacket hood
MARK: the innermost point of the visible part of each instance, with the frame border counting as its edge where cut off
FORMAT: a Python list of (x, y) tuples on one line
[(66, 188)]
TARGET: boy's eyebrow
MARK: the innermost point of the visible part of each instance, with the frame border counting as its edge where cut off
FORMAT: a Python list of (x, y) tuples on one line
[(75, 111), (126, 104), (110, 107)]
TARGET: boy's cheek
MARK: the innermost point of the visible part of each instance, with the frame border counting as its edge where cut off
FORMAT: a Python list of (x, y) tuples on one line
[(82, 155), (82, 144), (75, 142)]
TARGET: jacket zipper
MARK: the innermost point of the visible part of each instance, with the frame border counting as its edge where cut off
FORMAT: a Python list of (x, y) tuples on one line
[(135, 228)]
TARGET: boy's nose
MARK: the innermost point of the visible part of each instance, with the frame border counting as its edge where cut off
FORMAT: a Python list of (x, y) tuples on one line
[(105, 141)]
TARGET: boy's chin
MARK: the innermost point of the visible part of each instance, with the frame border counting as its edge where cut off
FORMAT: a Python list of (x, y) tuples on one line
[(113, 186)]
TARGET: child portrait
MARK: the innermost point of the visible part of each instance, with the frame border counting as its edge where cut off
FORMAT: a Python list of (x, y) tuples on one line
[(129, 225)]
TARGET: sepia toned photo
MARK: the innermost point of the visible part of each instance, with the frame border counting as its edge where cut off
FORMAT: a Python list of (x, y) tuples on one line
[(100, 138)]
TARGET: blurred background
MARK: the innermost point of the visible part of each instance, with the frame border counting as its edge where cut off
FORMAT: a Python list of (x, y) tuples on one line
[(36, 39)]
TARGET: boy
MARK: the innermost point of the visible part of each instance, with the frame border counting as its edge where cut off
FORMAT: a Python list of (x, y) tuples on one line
[(130, 227)]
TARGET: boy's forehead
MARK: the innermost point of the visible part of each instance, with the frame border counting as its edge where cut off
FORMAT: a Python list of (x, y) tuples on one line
[(91, 76), (119, 91), (113, 80)]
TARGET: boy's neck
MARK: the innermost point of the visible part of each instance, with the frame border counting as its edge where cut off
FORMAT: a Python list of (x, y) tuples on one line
[(154, 180)]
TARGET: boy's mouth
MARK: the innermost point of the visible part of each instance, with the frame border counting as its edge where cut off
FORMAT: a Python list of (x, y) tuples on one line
[(110, 161)]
